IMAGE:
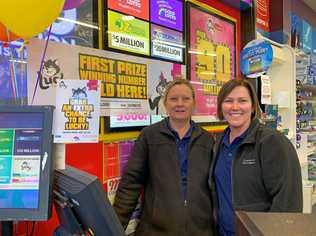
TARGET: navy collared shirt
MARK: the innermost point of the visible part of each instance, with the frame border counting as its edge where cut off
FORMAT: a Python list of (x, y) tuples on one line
[(223, 178), (182, 150)]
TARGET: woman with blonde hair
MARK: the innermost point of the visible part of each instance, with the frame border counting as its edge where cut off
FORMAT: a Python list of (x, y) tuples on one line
[(170, 161)]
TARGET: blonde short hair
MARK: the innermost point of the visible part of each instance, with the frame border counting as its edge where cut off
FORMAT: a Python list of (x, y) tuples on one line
[(178, 81)]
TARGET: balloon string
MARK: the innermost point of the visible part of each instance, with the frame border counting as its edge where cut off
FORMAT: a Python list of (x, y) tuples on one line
[(42, 64)]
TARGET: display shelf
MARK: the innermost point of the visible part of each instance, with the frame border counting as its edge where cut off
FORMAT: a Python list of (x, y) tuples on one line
[(282, 76), (308, 87), (306, 119), (306, 98), (312, 151)]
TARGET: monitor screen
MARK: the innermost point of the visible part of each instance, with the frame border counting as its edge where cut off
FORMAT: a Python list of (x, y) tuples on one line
[(82, 205), (167, 13), (139, 8), (130, 35), (25, 162), (132, 120), (76, 26), (166, 43)]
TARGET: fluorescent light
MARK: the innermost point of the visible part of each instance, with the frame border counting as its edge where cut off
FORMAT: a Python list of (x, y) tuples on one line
[(17, 61), (206, 72), (78, 22), (202, 53)]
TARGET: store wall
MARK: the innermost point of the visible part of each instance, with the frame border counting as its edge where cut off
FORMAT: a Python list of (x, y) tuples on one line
[(299, 8), (280, 18), (89, 157)]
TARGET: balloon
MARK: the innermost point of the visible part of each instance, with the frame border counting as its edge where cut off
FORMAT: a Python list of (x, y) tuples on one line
[(27, 18), (69, 4), (6, 35)]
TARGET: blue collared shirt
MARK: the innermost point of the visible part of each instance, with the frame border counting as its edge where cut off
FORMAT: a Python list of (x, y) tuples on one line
[(223, 178), (182, 150)]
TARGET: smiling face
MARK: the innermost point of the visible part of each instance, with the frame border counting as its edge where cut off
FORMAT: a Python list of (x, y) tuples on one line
[(237, 109), (180, 103)]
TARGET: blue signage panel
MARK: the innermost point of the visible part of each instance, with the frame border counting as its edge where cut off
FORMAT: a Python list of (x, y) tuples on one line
[(256, 58)]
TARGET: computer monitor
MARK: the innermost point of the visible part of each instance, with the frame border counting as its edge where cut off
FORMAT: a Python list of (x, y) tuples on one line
[(82, 205), (26, 170)]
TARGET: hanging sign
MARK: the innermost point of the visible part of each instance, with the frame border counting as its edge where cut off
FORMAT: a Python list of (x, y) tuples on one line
[(76, 118), (256, 58)]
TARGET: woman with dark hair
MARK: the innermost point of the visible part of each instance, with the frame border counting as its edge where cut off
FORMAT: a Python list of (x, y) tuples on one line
[(255, 168), (170, 161)]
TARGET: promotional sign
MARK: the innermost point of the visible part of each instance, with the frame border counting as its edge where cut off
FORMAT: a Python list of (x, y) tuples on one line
[(126, 87), (116, 156), (168, 13), (76, 118), (263, 15), (166, 43), (212, 56), (256, 58), (138, 8), (123, 79), (128, 35)]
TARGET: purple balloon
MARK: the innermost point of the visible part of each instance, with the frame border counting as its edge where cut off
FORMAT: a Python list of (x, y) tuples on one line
[(70, 4)]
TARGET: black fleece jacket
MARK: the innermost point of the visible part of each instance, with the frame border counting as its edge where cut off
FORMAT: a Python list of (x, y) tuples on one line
[(266, 173), (154, 166)]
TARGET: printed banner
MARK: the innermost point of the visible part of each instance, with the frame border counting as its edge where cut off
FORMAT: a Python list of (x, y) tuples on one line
[(111, 161), (77, 114), (263, 15), (166, 43), (212, 57), (123, 79), (129, 84), (138, 8), (131, 35)]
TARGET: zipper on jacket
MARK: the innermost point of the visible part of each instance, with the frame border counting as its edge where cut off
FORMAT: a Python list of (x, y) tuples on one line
[(232, 172), (232, 182), (185, 203)]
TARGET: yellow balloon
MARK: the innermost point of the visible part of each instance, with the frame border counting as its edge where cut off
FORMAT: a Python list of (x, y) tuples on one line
[(28, 18)]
